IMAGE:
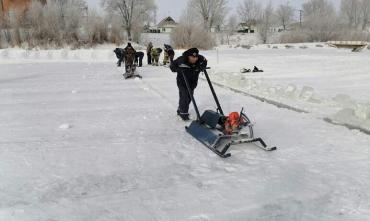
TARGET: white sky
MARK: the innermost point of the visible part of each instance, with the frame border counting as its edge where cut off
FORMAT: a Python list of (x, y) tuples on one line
[(174, 8)]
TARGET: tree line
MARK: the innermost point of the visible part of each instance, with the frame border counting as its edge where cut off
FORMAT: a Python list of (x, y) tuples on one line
[(70, 22)]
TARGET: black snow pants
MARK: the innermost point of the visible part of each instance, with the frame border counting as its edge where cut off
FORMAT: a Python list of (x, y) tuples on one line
[(139, 59), (149, 58), (119, 62), (184, 100)]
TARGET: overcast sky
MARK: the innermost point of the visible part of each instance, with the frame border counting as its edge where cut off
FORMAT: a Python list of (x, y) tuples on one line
[(174, 8)]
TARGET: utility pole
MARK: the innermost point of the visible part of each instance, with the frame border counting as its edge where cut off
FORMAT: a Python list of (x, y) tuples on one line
[(300, 17)]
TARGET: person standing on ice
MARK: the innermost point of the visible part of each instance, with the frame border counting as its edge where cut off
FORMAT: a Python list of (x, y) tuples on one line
[(120, 54), (169, 53), (196, 64), (149, 52), (130, 54), (156, 53)]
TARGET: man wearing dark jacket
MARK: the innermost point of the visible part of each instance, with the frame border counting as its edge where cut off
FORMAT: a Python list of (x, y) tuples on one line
[(196, 63), (130, 54), (120, 54), (149, 52), (139, 58), (169, 54)]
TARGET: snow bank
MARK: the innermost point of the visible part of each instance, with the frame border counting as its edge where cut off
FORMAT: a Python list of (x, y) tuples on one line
[(157, 39), (16, 55), (341, 108), (358, 117)]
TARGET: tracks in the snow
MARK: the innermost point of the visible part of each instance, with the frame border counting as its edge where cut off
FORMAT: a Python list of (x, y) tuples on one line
[(288, 107)]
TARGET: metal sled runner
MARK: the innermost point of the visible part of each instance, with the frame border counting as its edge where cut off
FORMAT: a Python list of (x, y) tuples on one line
[(209, 128)]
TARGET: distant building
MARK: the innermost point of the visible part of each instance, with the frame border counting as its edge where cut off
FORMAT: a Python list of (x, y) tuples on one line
[(295, 26), (276, 28), (165, 26), (218, 28), (249, 27), (15, 7), (8, 6)]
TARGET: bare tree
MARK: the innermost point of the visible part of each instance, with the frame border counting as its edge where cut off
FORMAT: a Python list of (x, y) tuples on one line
[(132, 12), (365, 13), (58, 21), (266, 23), (285, 14), (189, 16), (231, 28), (319, 8), (350, 10), (320, 20), (96, 29), (188, 36), (212, 12), (250, 11)]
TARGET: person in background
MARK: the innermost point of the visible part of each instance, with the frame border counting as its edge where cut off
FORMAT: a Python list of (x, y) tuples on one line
[(149, 52), (156, 53), (130, 54), (120, 54), (139, 58), (169, 54)]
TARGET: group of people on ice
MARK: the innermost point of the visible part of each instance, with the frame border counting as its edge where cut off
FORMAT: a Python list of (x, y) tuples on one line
[(128, 54), (190, 58), (153, 54)]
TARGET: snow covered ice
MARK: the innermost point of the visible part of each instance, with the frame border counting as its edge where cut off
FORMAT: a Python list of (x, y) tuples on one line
[(124, 155)]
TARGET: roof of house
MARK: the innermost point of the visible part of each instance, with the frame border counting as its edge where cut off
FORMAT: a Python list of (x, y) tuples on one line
[(167, 22), (249, 23)]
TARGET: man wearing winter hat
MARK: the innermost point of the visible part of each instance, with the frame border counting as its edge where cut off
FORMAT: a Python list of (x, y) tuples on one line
[(129, 56), (196, 63)]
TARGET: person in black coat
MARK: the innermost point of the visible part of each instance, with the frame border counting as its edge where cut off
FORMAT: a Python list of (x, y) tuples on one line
[(139, 58), (169, 54), (149, 52), (196, 64), (120, 54)]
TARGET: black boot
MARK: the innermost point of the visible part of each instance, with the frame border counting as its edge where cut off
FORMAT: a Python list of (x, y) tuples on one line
[(184, 116)]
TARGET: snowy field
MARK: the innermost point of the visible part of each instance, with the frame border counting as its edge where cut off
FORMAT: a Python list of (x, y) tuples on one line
[(327, 82), (79, 143)]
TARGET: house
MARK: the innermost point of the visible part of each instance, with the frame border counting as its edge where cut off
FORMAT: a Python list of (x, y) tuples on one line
[(295, 26), (218, 28), (15, 7), (9, 6), (276, 28), (165, 26), (245, 27)]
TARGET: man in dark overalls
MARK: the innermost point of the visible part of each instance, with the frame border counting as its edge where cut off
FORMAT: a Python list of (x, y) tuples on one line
[(120, 54), (196, 64)]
